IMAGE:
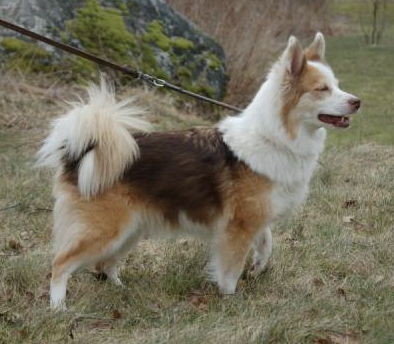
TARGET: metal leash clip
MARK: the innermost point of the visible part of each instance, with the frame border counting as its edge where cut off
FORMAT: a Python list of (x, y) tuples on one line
[(158, 82), (151, 79)]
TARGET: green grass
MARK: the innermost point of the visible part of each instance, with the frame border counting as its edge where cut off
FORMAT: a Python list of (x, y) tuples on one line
[(367, 72), (327, 279), (361, 11), (355, 8)]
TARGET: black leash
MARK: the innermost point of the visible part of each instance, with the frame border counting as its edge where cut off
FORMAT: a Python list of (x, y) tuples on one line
[(126, 70)]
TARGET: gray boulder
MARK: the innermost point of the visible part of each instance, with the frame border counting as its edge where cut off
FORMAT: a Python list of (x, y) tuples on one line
[(146, 34)]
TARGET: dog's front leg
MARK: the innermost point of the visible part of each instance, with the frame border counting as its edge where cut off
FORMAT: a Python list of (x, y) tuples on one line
[(229, 251), (262, 249)]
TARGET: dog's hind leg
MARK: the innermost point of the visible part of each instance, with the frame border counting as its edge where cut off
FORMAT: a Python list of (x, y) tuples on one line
[(59, 287), (67, 233), (85, 251), (109, 268), (262, 247), (61, 270), (87, 233)]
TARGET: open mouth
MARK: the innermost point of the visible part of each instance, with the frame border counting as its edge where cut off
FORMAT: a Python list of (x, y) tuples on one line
[(336, 121)]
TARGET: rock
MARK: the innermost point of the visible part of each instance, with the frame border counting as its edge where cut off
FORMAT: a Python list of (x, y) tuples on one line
[(146, 34)]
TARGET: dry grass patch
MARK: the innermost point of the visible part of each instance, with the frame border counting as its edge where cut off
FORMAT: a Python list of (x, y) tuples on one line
[(330, 279), (253, 32)]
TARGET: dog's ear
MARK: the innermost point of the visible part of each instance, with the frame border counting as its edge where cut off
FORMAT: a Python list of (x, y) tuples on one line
[(317, 49), (294, 56)]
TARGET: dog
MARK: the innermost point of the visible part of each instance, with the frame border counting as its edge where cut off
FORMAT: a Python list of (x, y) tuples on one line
[(117, 182)]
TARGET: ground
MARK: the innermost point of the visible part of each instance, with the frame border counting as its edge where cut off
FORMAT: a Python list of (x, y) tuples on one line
[(331, 276)]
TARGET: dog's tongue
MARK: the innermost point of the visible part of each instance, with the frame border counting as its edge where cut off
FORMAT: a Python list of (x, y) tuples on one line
[(336, 121)]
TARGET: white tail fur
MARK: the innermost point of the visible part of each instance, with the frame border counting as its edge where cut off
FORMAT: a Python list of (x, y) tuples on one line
[(98, 135)]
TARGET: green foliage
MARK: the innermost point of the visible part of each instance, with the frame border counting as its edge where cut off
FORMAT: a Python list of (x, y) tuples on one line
[(15, 45), (185, 73), (213, 61), (157, 36), (83, 70), (182, 43), (149, 63), (123, 7), (26, 56), (102, 31), (205, 90)]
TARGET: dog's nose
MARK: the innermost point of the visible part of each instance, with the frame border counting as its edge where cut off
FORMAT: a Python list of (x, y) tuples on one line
[(355, 102)]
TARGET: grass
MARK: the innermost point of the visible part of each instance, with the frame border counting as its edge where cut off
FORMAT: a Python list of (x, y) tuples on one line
[(361, 11), (330, 279), (368, 72)]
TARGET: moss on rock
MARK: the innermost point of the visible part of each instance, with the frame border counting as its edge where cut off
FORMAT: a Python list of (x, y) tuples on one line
[(149, 63), (123, 7), (127, 32), (205, 90), (102, 32), (182, 43), (213, 61), (185, 72), (157, 36)]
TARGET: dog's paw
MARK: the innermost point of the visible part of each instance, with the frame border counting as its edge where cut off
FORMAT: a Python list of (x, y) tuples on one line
[(100, 276), (58, 306), (117, 282), (256, 269)]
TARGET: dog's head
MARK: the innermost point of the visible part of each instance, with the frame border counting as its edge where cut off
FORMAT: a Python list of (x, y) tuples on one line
[(309, 90)]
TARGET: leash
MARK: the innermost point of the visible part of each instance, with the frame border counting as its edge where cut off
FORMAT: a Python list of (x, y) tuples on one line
[(124, 69)]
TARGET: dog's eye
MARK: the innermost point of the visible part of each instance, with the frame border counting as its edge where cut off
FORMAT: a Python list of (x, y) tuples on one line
[(322, 88)]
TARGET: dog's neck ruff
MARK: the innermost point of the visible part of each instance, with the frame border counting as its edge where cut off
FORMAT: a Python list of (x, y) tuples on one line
[(257, 136)]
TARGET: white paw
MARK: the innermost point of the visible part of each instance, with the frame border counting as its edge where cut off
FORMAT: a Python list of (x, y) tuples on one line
[(227, 287), (225, 291), (257, 268), (58, 305), (117, 281)]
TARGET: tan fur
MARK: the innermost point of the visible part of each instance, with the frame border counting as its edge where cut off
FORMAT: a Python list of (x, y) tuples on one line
[(251, 210), (102, 219), (312, 55), (105, 217), (309, 79)]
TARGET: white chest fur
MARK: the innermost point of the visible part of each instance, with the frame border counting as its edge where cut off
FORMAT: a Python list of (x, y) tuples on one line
[(289, 164), (286, 198)]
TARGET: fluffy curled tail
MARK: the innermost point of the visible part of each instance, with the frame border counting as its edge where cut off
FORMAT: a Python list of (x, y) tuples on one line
[(96, 137)]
